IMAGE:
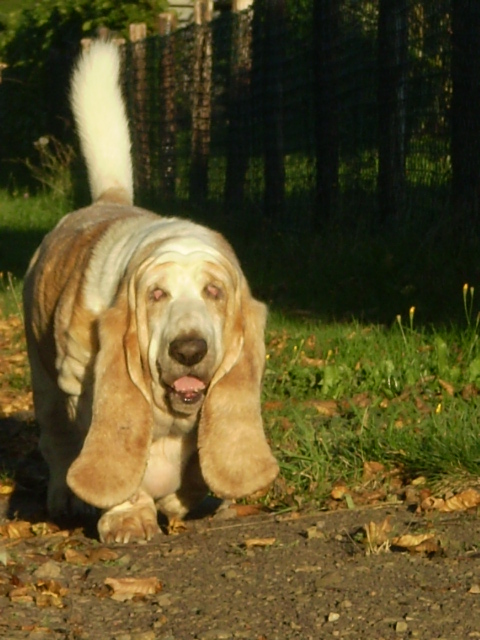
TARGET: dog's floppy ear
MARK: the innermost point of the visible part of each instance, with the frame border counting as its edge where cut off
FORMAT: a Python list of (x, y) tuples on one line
[(235, 458), (112, 462)]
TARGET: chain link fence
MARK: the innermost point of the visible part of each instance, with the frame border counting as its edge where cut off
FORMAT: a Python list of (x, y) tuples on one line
[(343, 114), (301, 114)]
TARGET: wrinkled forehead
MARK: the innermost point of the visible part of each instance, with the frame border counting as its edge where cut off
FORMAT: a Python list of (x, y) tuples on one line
[(185, 249), (189, 256)]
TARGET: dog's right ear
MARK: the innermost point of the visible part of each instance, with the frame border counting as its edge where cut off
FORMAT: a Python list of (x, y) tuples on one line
[(114, 456), (235, 456)]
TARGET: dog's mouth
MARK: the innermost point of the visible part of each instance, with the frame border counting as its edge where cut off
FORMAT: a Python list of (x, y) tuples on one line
[(188, 389)]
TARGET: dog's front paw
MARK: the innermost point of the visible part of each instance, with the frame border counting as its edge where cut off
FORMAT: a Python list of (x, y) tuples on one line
[(133, 520)]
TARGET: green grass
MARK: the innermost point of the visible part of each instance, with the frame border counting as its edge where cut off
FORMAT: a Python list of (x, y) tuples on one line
[(24, 220), (353, 374), (339, 395)]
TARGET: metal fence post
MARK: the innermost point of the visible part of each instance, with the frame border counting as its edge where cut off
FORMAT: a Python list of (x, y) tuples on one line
[(166, 26), (137, 34)]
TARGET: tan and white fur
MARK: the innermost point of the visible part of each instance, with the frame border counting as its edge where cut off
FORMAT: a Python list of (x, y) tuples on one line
[(146, 346)]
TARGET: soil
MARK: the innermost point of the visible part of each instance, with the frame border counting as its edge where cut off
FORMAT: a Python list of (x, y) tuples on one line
[(235, 572)]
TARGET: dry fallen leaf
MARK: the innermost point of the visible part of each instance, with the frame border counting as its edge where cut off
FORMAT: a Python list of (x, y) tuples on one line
[(35, 628), (259, 542), (418, 543), (316, 531), (7, 487), (43, 528), (429, 503), (327, 408), (127, 588), (21, 594), (102, 554), (24, 529), (176, 526), (377, 536), (418, 481), (361, 400), (3, 556), (372, 469), (412, 540), (312, 362), (468, 499), (447, 386), (244, 510), (273, 405), (75, 557), (339, 491), (17, 529), (462, 501), (49, 594)]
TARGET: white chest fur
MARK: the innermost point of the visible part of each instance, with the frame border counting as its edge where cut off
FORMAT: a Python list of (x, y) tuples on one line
[(168, 457)]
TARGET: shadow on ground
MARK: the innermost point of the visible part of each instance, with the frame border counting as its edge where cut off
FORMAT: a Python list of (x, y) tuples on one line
[(22, 461)]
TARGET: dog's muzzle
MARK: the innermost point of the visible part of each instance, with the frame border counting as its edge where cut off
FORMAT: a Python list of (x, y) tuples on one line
[(187, 351)]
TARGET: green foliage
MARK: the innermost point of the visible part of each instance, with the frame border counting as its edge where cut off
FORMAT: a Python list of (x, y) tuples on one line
[(39, 46), (50, 21)]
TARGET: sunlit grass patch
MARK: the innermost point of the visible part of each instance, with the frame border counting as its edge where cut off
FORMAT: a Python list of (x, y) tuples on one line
[(339, 396)]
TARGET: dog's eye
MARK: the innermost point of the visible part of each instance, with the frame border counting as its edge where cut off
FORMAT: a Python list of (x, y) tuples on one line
[(214, 292), (157, 294)]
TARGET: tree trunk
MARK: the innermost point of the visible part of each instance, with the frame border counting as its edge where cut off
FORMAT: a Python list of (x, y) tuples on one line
[(326, 40), (392, 81), (465, 112), (273, 109), (238, 141), (202, 100)]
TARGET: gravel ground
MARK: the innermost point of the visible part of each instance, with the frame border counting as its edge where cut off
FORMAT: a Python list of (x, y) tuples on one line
[(233, 575), (259, 577)]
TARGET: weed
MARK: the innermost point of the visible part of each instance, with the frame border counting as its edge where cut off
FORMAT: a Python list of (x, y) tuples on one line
[(10, 296), (53, 169)]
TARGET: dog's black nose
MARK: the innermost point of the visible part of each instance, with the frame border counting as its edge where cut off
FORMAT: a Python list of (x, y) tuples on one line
[(188, 351)]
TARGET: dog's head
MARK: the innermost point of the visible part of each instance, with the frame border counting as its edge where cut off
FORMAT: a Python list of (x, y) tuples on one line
[(183, 299), (183, 343)]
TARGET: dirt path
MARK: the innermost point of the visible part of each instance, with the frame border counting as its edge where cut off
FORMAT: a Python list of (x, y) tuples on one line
[(261, 577), (233, 575)]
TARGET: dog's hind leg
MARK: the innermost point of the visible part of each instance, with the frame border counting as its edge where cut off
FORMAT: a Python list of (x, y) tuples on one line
[(61, 438)]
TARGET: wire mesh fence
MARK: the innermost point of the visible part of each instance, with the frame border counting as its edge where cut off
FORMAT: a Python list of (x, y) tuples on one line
[(342, 112), (300, 113)]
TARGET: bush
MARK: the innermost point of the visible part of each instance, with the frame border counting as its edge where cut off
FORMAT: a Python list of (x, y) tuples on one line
[(39, 47)]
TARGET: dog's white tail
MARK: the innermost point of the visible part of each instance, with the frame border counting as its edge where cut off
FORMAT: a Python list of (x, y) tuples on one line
[(102, 123)]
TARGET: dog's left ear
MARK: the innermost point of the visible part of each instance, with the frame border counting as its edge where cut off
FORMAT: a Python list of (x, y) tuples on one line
[(235, 457), (114, 456)]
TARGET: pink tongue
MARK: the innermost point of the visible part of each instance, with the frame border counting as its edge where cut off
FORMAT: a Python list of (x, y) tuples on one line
[(188, 384)]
